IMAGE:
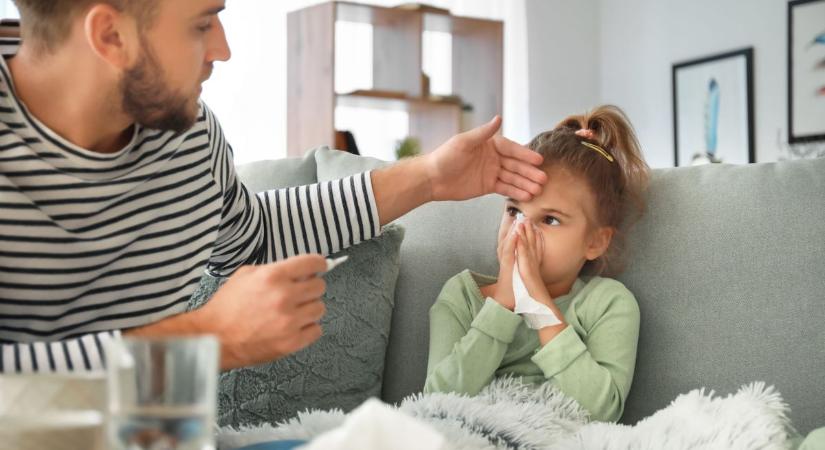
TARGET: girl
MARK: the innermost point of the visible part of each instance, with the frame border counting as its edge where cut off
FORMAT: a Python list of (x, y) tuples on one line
[(566, 241)]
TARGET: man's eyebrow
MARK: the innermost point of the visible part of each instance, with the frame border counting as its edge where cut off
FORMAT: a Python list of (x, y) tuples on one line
[(212, 11)]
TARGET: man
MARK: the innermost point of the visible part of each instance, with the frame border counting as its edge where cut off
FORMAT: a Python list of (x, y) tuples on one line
[(117, 191)]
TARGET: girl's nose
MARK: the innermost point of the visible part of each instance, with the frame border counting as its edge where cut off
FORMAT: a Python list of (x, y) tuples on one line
[(521, 218)]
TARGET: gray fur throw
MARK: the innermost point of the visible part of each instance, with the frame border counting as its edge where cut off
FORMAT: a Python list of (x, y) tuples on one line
[(510, 415)]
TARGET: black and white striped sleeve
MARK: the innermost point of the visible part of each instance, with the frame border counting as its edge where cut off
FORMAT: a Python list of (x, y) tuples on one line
[(81, 354), (274, 225)]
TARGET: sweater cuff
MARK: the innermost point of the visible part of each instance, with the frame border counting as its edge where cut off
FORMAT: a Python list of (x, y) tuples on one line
[(372, 206), (497, 321), (558, 354)]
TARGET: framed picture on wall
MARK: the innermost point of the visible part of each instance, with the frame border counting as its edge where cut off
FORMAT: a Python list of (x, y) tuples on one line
[(806, 71), (713, 109)]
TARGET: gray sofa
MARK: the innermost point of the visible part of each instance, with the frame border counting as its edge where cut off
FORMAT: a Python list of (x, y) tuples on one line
[(728, 267)]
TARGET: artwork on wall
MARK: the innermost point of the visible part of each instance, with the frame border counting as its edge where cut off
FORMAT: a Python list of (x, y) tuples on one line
[(713, 109), (806, 71)]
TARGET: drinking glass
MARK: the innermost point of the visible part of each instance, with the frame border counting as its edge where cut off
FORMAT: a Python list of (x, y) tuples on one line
[(162, 393)]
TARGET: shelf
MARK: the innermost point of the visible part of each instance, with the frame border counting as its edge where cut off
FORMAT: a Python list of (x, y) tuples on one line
[(375, 15), (390, 100), (322, 51)]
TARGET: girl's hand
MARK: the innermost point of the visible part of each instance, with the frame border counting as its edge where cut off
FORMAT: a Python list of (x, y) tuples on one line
[(503, 293), (530, 248)]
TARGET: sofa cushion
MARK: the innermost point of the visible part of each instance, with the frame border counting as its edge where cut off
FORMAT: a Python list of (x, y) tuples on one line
[(343, 368)]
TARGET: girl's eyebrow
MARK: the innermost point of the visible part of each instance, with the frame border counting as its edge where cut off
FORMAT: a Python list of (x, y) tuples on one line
[(547, 210), (556, 211)]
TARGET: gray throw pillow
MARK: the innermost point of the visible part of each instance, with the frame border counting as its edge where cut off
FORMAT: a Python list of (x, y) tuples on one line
[(264, 175), (345, 367), (335, 164)]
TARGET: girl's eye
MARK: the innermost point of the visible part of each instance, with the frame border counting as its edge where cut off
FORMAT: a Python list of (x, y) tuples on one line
[(205, 28), (512, 211), (550, 220)]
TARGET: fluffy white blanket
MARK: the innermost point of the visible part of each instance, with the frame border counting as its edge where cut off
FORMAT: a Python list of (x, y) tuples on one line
[(509, 415)]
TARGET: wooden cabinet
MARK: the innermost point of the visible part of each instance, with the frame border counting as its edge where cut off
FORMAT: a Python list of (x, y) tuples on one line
[(395, 80)]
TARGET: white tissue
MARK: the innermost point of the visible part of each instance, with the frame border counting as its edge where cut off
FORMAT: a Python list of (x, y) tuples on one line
[(376, 426), (537, 315)]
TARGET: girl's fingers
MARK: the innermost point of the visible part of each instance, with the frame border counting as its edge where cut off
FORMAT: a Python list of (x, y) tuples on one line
[(522, 256), (533, 244), (509, 248), (536, 243), (524, 230), (530, 235), (505, 239)]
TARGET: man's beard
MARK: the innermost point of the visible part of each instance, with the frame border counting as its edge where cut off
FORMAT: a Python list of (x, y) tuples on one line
[(149, 101)]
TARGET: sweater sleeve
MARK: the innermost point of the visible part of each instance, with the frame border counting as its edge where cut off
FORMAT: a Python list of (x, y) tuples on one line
[(596, 369), (465, 352), (80, 354), (274, 225)]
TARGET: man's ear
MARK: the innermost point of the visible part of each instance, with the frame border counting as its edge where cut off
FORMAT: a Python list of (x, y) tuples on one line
[(112, 35), (599, 242)]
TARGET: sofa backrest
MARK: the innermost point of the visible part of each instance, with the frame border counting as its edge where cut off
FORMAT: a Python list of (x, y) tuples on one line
[(729, 271), (728, 267)]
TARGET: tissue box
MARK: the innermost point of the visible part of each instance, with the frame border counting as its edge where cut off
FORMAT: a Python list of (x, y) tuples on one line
[(53, 412)]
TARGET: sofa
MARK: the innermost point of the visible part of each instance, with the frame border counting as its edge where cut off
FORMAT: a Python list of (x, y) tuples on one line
[(728, 267)]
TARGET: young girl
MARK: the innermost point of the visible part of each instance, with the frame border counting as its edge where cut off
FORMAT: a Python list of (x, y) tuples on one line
[(566, 239)]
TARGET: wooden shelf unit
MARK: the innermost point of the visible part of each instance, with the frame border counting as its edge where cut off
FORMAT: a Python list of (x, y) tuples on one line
[(477, 72)]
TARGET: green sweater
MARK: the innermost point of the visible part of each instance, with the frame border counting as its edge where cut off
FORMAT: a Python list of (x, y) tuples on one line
[(474, 340)]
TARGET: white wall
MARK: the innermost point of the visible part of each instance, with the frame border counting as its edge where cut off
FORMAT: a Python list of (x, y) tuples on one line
[(564, 60), (641, 39), (562, 57), (8, 10)]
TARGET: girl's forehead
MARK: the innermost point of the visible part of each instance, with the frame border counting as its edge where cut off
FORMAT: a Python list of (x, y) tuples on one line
[(564, 191)]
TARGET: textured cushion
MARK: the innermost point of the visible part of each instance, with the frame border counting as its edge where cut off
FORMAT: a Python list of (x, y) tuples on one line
[(275, 174), (727, 268), (345, 367)]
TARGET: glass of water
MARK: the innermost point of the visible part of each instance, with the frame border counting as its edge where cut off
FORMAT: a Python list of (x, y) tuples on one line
[(162, 393)]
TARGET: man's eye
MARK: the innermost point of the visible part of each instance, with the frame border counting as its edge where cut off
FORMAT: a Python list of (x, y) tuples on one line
[(205, 28), (550, 220), (512, 211)]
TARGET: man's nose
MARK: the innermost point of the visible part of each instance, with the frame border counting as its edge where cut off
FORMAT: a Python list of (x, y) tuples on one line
[(218, 45)]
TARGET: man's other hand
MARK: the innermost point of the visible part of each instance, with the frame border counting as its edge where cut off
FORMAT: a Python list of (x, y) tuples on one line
[(266, 312)]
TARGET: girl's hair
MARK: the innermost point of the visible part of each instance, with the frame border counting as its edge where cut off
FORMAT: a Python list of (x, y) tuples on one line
[(619, 185)]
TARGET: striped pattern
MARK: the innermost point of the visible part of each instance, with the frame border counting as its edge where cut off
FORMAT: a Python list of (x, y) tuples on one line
[(94, 243)]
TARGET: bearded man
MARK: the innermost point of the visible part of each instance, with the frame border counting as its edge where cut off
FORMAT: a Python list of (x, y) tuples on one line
[(117, 192)]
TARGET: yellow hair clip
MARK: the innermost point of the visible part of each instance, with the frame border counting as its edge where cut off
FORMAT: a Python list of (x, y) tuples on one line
[(598, 149)]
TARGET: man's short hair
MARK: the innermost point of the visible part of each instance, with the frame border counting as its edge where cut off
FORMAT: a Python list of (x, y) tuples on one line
[(46, 23)]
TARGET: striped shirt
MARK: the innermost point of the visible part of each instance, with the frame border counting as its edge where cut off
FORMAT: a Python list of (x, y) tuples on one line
[(94, 243)]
